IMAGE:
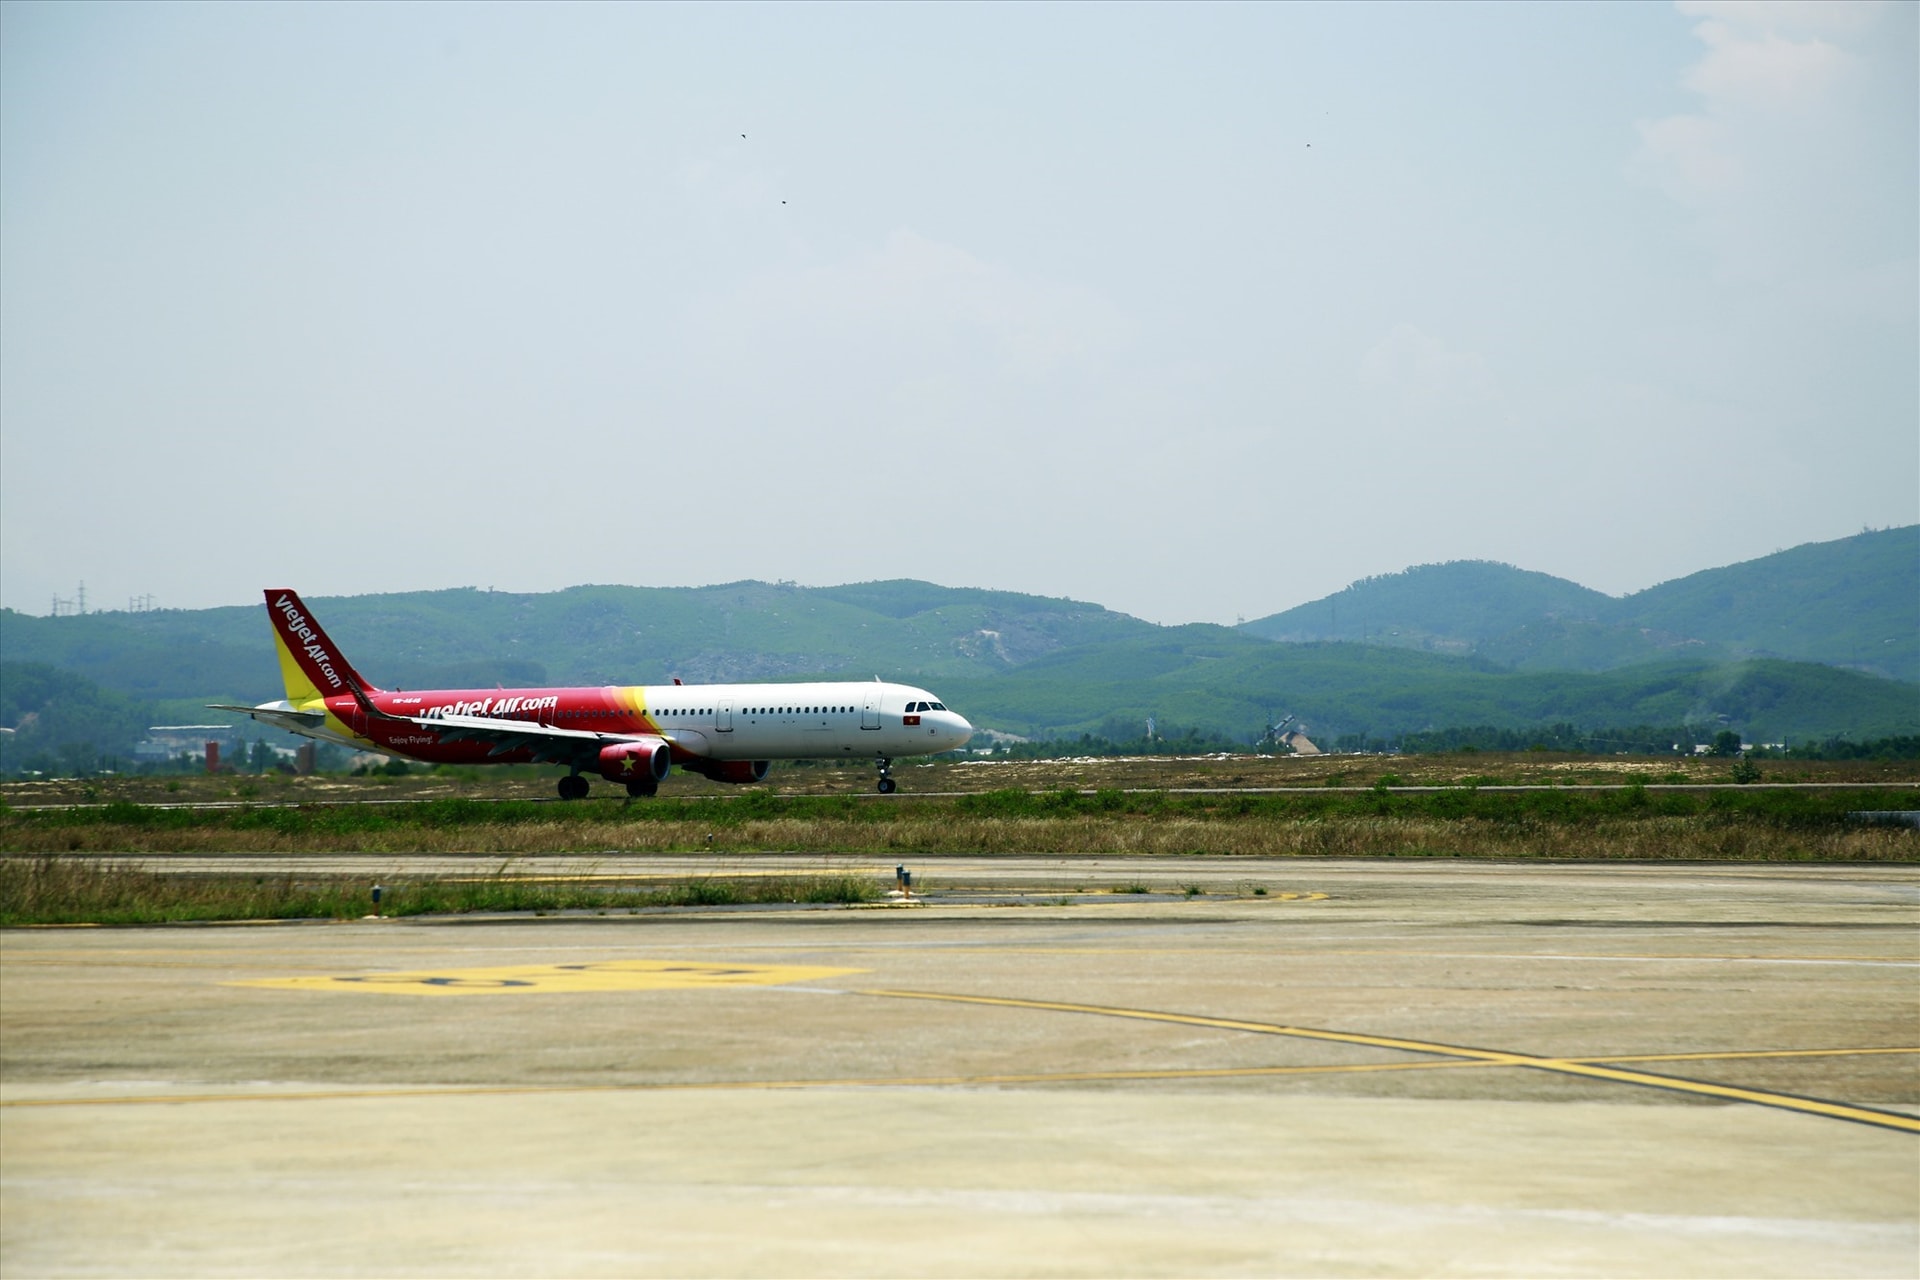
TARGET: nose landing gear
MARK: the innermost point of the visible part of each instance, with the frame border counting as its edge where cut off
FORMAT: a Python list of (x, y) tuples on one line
[(886, 785)]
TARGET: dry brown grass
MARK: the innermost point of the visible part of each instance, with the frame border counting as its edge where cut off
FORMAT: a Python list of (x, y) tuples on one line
[(60, 890), (946, 777), (1646, 838)]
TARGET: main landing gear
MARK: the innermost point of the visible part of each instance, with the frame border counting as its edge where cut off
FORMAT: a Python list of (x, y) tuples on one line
[(639, 790), (573, 787), (886, 776)]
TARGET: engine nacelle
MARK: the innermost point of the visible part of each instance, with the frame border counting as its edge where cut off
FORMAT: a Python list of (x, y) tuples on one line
[(737, 772), (636, 761)]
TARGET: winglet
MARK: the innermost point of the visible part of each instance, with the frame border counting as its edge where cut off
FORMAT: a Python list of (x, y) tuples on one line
[(310, 663)]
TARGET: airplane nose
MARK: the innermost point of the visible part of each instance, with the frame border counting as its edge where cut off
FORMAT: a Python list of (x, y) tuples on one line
[(962, 731)]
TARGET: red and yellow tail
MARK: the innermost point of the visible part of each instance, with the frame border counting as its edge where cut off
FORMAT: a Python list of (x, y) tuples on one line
[(310, 663)]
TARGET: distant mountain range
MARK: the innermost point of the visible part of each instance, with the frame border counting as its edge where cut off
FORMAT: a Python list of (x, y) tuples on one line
[(582, 635), (1853, 603), (1817, 641)]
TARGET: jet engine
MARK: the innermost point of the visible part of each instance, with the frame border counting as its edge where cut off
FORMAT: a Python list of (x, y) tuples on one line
[(734, 771), (644, 761)]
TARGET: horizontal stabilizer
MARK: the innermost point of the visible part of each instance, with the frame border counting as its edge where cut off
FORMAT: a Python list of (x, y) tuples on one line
[(290, 718)]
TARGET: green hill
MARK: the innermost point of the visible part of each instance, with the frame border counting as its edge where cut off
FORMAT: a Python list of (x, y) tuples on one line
[(57, 711), (1233, 684), (1449, 608), (1852, 603), (583, 635), (1449, 646)]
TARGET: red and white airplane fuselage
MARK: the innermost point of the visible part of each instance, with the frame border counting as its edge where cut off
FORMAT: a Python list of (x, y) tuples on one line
[(631, 734)]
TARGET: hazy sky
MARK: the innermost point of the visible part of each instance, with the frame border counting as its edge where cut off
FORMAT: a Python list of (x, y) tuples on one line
[(1191, 311)]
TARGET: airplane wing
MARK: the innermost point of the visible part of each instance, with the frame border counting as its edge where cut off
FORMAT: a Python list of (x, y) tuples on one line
[(545, 743)]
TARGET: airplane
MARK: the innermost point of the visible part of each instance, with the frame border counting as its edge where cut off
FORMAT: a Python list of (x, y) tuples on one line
[(630, 734)]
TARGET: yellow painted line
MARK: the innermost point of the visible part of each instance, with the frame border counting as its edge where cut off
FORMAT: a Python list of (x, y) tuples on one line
[(1563, 1066), (1759, 1097), (130, 954), (547, 979), (1732, 1054), (1265, 954)]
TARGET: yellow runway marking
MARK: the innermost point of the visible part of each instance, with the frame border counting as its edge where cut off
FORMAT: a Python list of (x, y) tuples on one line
[(1733, 1054), (1495, 1057), (547, 979), (1266, 954)]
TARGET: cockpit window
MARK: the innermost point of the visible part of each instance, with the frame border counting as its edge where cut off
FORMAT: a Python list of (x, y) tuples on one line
[(936, 706)]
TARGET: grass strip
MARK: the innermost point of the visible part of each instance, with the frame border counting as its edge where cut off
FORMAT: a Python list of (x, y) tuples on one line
[(52, 889), (1815, 806), (1631, 823), (1704, 838)]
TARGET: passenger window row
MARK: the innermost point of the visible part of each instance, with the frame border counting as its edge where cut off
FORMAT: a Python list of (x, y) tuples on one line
[(796, 711)]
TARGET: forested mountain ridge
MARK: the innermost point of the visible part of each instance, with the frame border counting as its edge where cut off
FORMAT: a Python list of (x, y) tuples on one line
[(1453, 607), (583, 635), (46, 707), (1853, 602), (1447, 646), (1221, 680)]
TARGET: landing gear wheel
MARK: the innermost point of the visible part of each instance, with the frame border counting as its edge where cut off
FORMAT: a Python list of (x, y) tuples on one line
[(886, 776), (573, 787), (643, 789), (886, 786)]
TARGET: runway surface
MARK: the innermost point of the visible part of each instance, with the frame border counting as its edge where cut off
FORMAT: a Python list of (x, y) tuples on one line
[(1370, 1068)]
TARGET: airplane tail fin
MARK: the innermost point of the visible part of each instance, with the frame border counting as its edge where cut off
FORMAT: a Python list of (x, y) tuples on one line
[(310, 662)]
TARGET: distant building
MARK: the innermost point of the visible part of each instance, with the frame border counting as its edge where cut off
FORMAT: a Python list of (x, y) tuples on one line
[(166, 741)]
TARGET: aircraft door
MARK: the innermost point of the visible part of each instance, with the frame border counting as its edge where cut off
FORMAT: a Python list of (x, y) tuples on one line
[(723, 716), (870, 709)]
